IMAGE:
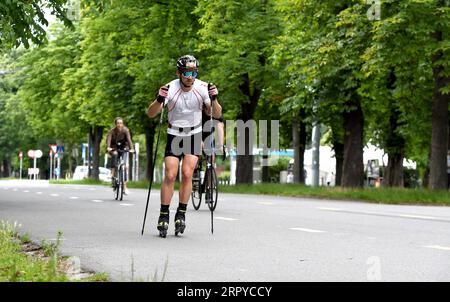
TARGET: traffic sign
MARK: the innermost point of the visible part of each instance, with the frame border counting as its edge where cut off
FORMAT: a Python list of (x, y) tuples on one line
[(60, 149), (30, 153), (53, 148), (20, 154), (33, 171), (38, 153)]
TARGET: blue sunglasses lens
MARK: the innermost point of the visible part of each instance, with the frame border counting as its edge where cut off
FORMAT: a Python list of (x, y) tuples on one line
[(187, 74)]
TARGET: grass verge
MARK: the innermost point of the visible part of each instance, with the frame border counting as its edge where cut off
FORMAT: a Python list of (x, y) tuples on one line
[(376, 195), (23, 261)]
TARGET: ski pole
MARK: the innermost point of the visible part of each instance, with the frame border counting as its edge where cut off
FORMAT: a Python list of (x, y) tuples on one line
[(211, 168), (153, 169)]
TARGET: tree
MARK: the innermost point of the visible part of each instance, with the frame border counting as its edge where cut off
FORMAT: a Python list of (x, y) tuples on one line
[(237, 38), (406, 75), (324, 41), (157, 37), (23, 20)]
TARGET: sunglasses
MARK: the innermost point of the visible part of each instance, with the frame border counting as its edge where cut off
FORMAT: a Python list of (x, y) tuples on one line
[(190, 73)]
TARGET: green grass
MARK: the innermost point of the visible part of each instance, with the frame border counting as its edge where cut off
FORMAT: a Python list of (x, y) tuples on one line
[(16, 266), (86, 181), (375, 195)]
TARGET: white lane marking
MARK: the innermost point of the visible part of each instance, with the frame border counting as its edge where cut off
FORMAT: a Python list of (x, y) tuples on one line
[(265, 203), (415, 216), (74, 197), (97, 200), (307, 230), (438, 247), (127, 204), (38, 193), (54, 195), (26, 191), (15, 189), (92, 189), (380, 213), (328, 209), (225, 218)]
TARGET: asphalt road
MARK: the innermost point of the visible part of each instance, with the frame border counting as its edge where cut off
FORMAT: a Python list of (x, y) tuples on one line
[(256, 238)]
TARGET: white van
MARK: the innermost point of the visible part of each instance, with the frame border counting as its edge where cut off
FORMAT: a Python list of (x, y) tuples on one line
[(81, 172)]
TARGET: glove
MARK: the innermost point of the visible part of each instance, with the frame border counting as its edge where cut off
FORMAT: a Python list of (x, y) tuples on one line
[(162, 93), (212, 91)]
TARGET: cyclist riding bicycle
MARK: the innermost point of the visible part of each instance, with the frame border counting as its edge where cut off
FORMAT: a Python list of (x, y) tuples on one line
[(218, 125), (185, 98), (118, 139)]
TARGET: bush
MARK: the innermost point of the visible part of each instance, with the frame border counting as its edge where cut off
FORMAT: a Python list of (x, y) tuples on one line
[(274, 171)]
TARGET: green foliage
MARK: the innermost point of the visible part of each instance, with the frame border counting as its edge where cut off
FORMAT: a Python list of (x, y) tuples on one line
[(18, 267), (22, 21), (51, 249), (274, 170), (270, 59), (375, 195), (236, 37)]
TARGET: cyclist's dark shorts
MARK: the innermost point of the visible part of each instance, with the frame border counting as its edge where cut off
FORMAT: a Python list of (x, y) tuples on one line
[(115, 157), (178, 146)]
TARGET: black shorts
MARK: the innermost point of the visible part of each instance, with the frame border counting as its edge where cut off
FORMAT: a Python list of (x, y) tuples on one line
[(115, 157), (179, 146)]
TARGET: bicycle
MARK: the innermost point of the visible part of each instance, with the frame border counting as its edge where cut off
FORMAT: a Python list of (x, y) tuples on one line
[(121, 174), (205, 182)]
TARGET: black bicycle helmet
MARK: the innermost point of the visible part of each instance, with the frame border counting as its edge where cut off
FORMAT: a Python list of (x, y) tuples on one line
[(182, 61)]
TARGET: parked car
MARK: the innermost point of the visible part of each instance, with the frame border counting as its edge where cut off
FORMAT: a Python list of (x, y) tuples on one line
[(81, 172)]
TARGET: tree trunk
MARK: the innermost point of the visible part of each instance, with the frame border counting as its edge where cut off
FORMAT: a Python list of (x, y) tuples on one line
[(88, 155), (97, 138), (265, 170), (395, 144), (6, 167), (244, 163), (149, 141), (338, 148), (394, 170), (353, 167), (299, 145), (439, 126)]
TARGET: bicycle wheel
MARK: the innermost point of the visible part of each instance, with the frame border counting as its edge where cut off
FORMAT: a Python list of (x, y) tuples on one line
[(211, 185), (196, 194), (121, 181)]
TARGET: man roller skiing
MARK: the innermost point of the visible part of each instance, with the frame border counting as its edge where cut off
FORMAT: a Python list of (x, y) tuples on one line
[(185, 98)]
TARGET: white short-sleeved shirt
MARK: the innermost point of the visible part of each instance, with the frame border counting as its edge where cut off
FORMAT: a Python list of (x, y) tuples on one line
[(185, 108)]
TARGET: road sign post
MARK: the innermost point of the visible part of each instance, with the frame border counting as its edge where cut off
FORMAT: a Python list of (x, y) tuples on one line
[(21, 165), (136, 163), (50, 154), (34, 154)]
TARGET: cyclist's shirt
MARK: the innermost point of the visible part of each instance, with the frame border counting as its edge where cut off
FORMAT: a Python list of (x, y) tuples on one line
[(116, 138), (185, 108)]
